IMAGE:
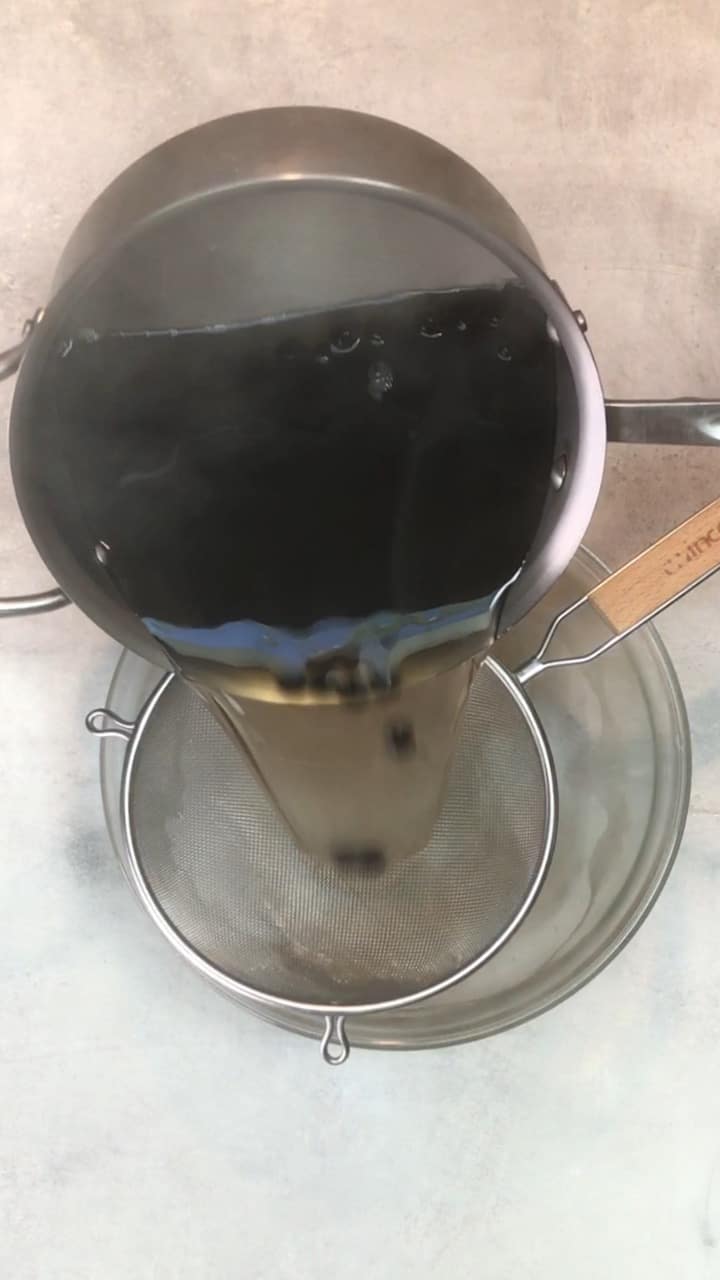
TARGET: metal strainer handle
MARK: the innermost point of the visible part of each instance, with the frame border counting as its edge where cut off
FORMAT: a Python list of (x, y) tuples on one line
[(334, 1046), (633, 595), (43, 601)]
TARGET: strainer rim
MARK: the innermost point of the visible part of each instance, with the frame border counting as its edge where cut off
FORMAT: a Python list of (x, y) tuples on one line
[(234, 986)]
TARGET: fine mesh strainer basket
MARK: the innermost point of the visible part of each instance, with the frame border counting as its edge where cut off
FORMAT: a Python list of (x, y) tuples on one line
[(223, 878), (224, 881)]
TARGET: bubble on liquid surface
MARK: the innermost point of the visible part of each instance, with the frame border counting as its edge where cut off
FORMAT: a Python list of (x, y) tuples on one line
[(344, 343), (380, 379), (431, 329), (377, 340), (505, 354)]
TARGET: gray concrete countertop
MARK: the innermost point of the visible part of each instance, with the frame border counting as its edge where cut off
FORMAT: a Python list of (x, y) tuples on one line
[(148, 1129)]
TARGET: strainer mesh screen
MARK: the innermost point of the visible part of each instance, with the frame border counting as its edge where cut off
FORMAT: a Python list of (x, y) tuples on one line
[(232, 882)]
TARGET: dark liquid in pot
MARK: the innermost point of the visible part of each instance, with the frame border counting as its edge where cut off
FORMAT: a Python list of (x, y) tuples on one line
[(262, 490)]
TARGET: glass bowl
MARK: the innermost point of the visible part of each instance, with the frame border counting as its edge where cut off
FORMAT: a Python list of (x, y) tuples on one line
[(619, 736)]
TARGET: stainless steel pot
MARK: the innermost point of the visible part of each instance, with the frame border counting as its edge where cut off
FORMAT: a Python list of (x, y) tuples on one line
[(267, 213), (244, 221), (227, 221)]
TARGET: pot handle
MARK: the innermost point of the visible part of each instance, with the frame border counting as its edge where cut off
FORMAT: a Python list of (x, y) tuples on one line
[(676, 422), (42, 601)]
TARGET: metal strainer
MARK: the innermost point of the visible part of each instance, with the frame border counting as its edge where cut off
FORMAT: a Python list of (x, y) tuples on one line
[(220, 875), (223, 878)]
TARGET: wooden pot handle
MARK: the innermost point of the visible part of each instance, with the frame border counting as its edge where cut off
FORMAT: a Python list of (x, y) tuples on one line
[(662, 573)]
